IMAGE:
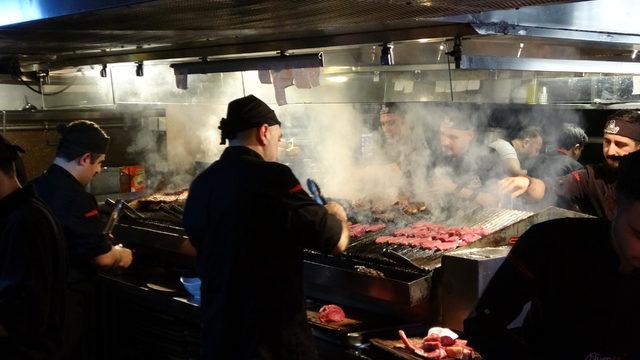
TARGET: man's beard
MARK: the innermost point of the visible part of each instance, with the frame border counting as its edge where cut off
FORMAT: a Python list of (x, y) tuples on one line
[(613, 161)]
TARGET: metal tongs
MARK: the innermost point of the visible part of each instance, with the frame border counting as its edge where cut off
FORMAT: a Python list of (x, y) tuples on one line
[(315, 192), (126, 209), (113, 218)]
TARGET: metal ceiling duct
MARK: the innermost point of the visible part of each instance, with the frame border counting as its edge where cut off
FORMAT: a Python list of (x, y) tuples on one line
[(610, 21), (75, 32)]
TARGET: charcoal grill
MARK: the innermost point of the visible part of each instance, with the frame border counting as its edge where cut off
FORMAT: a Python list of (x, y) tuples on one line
[(154, 230), (405, 292), (492, 220)]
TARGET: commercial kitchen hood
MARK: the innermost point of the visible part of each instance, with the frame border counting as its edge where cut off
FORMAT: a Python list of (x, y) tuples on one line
[(506, 46), (51, 34)]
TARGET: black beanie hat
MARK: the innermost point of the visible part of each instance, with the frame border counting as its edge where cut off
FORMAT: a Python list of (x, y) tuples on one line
[(245, 113), (8, 151), (628, 183), (82, 137)]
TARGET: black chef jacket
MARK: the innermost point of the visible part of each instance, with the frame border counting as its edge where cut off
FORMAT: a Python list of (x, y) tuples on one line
[(249, 220), (32, 278), (478, 169), (592, 190), (551, 166), (581, 305), (77, 212)]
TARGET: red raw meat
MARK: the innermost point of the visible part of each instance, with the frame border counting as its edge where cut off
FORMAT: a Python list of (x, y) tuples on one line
[(436, 347), (447, 341), (384, 239), (431, 345), (331, 313), (357, 230), (444, 246), (375, 227)]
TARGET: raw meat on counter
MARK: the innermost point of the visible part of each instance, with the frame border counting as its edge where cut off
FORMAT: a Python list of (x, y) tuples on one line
[(331, 313), (433, 236), (357, 230), (440, 343)]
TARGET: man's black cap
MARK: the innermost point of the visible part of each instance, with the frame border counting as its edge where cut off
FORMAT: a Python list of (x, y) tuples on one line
[(628, 184), (392, 108), (83, 137), (246, 113), (9, 151)]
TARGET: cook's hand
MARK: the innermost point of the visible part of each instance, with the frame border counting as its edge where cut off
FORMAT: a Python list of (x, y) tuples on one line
[(337, 210), (516, 185), (125, 256), (444, 186)]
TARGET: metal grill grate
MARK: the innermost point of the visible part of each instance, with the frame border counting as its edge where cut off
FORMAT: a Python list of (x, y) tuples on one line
[(492, 220)]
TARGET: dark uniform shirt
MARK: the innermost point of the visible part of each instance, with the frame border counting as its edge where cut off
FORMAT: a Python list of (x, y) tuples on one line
[(477, 170), (249, 220), (580, 303), (32, 278), (591, 190), (77, 212), (549, 167), (553, 165)]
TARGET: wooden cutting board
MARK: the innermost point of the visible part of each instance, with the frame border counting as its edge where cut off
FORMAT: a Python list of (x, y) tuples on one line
[(346, 325), (396, 347)]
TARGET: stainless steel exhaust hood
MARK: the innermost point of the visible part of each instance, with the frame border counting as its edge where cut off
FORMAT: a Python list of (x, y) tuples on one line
[(54, 34)]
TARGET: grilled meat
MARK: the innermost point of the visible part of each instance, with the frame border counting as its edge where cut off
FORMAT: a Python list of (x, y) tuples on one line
[(153, 201), (388, 211), (368, 271)]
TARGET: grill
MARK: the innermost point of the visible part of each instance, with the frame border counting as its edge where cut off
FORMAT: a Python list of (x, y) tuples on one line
[(364, 277), (490, 219), (406, 291)]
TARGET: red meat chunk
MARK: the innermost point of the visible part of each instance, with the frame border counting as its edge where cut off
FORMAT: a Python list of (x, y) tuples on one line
[(331, 313)]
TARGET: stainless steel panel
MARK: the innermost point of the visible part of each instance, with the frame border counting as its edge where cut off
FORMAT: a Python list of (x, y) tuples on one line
[(555, 65), (151, 26), (465, 275)]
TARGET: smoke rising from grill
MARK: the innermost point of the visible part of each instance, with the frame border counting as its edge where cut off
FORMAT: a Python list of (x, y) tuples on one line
[(341, 146)]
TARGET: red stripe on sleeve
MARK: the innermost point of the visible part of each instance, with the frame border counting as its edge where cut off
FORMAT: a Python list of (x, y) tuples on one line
[(295, 189), (576, 175), (91, 213)]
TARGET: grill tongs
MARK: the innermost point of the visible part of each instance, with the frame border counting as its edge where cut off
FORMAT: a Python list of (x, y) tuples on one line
[(113, 219), (126, 209), (403, 260), (172, 213)]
